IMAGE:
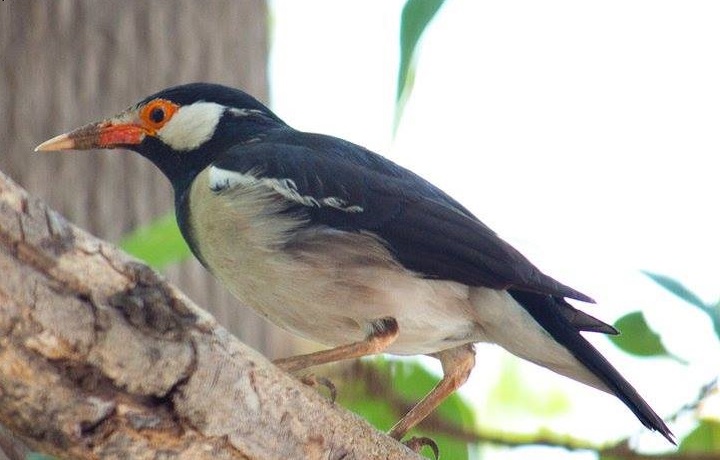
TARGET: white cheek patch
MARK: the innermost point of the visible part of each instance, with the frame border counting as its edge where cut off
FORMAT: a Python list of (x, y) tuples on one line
[(191, 126), (221, 179)]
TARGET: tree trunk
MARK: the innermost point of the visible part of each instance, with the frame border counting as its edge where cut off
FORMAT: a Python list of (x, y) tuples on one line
[(68, 62), (102, 358)]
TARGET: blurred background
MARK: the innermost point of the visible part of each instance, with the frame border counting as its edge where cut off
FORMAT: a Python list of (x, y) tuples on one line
[(584, 133)]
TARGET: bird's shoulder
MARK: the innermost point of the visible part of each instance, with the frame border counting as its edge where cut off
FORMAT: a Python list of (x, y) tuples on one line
[(324, 164), (331, 177)]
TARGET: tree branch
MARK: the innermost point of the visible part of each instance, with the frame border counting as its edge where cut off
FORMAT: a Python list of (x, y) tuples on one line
[(101, 358)]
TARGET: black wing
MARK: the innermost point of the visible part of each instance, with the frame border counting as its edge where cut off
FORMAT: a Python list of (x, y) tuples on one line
[(428, 232)]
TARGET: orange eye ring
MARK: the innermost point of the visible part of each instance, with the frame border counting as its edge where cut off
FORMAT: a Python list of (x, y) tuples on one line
[(156, 113)]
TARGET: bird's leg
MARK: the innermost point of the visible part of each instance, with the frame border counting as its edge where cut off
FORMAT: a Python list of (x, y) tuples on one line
[(384, 332), (456, 363)]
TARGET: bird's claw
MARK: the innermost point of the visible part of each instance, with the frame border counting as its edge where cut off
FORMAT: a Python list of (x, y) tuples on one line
[(314, 381), (416, 443)]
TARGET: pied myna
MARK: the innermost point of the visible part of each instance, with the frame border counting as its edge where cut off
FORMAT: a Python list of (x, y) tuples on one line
[(346, 248)]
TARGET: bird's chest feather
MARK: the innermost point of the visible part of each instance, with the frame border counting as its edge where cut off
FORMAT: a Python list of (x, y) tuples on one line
[(239, 232), (324, 284)]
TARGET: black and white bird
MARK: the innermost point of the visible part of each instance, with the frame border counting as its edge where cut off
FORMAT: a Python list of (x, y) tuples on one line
[(346, 248)]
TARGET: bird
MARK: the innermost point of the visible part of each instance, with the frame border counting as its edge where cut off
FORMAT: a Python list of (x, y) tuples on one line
[(342, 246)]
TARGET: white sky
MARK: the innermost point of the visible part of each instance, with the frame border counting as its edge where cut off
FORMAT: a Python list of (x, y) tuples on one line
[(584, 133)]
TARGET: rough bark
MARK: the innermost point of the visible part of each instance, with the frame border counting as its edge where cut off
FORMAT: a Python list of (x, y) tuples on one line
[(100, 357)]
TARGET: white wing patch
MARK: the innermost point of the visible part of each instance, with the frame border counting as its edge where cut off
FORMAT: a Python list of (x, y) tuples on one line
[(221, 179), (244, 112), (192, 125)]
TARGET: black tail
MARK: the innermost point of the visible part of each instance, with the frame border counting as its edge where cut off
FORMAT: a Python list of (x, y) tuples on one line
[(545, 310)]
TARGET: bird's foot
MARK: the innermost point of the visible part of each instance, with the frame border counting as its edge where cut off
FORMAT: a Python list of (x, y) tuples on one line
[(416, 443), (314, 381)]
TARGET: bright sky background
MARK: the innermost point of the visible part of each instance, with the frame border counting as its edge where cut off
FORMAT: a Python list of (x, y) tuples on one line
[(585, 133)]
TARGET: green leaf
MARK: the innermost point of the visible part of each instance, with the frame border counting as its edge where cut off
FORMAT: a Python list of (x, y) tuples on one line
[(514, 395), (158, 244), (704, 438), (416, 16), (637, 338), (677, 288)]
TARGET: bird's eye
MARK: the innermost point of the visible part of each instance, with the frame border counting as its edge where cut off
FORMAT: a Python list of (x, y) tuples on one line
[(156, 113)]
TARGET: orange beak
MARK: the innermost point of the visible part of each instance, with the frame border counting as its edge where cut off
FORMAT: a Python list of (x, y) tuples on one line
[(106, 134)]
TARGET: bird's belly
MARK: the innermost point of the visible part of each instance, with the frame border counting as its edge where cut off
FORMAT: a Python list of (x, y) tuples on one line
[(337, 305), (431, 315), (325, 285)]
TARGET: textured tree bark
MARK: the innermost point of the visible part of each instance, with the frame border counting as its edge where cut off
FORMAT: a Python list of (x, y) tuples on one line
[(102, 358), (69, 62)]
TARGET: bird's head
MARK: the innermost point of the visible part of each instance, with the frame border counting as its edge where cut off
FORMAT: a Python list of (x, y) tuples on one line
[(180, 129)]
